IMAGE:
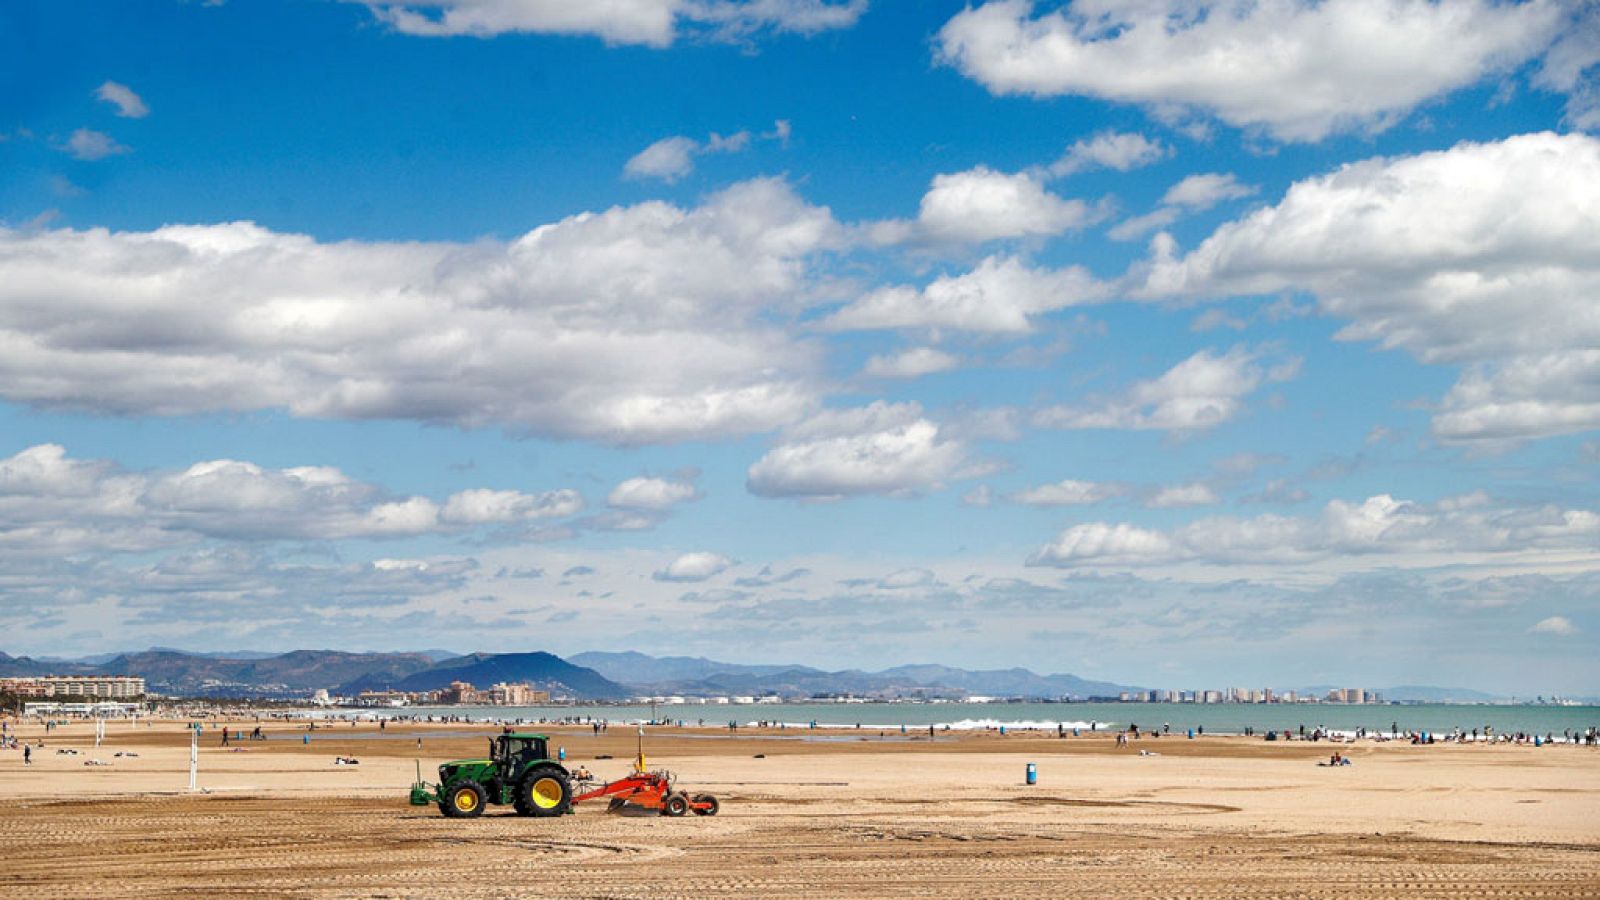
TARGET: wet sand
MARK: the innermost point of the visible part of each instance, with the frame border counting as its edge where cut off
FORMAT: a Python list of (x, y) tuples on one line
[(846, 816)]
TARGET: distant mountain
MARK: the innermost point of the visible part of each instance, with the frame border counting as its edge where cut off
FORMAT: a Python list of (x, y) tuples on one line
[(696, 675), (297, 672), (641, 669), (26, 667), (1007, 682), (543, 670), (1410, 693)]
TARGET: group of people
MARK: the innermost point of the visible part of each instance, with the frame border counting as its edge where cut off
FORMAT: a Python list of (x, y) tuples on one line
[(238, 734)]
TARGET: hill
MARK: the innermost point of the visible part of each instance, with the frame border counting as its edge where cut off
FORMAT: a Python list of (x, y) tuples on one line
[(697, 675), (543, 670)]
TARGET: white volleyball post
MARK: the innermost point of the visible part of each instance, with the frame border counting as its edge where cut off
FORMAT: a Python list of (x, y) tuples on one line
[(194, 758), (99, 731)]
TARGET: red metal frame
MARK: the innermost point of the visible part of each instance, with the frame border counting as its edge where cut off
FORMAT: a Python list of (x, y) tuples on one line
[(649, 790)]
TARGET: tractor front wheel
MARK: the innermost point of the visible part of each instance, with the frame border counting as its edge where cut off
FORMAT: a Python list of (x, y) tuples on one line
[(463, 800), (544, 791), (676, 805)]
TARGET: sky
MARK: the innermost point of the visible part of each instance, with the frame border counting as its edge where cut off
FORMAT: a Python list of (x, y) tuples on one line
[(1175, 343)]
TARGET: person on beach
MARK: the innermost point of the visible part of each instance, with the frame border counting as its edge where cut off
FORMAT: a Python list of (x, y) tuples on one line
[(27, 755)]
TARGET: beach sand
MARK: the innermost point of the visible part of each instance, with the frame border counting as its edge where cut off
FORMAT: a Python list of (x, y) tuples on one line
[(853, 816)]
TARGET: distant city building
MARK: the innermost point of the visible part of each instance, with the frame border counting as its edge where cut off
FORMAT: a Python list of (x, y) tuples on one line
[(503, 694), (110, 687)]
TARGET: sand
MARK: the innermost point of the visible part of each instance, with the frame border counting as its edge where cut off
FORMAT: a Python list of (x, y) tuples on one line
[(1214, 817)]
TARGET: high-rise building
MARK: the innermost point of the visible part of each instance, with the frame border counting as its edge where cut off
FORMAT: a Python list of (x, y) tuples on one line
[(111, 687)]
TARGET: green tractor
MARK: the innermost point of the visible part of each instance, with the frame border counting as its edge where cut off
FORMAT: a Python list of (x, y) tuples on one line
[(518, 772)]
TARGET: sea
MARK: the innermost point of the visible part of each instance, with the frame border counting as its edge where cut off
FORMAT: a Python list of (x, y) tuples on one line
[(1225, 718)]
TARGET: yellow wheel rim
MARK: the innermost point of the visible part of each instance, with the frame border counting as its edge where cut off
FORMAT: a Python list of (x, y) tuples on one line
[(546, 793), (466, 801)]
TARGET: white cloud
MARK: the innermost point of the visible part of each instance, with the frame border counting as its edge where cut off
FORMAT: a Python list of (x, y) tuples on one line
[(654, 494), (1199, 393), (668, 159), (654, 23), (1192, 194), (1205, 190), (481, 506), (1002, 294), (51, 503), (883, 448), (1122, 151), (980, 496), (638, 324), (913, 363), (1558, 625), (694, 567), (1298, 70), (907, 578), (1483, 256), (1194, 494), (90, 145), (1455, 530), (981, 204), (128, 104), (1067, 493), (1572, 66), (671, 158), (1103, 543), (1132, 229)]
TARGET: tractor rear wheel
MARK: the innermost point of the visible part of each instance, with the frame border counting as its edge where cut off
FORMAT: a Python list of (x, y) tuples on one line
[(463, 800), (544, 791), (706, 805), (675, 805)]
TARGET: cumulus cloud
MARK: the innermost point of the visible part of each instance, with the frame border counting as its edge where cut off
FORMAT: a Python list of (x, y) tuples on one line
[(913, 363), (1194, 494), (1067, 493), (89, 145), (1135, 227), (1001, 294), (1297, 70), (884, 448), (1558, 625), (1205, 190), (981, 205), (653, 494), (128, 104), (481, 506), (1202, 392), (53, 503), (1467, 256), (1193, 194), (694, 567), (655, 23), (1122, 151), (671, 158), (1452, 530), (639, 324)]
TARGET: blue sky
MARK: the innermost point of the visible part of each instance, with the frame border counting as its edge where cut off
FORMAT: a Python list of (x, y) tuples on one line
[(1167, 343)]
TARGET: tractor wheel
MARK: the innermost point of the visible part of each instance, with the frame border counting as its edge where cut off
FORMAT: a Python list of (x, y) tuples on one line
[(463, 800), (711, 805), (544, 791), (676, 805)]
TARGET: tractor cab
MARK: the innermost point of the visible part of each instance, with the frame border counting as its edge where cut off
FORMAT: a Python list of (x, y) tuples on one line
[(513, 752)]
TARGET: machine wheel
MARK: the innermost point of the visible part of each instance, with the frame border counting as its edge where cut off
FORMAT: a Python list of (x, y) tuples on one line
[(711, 805), (675, 805), (463, 800), (544, 791), (616, 804)]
